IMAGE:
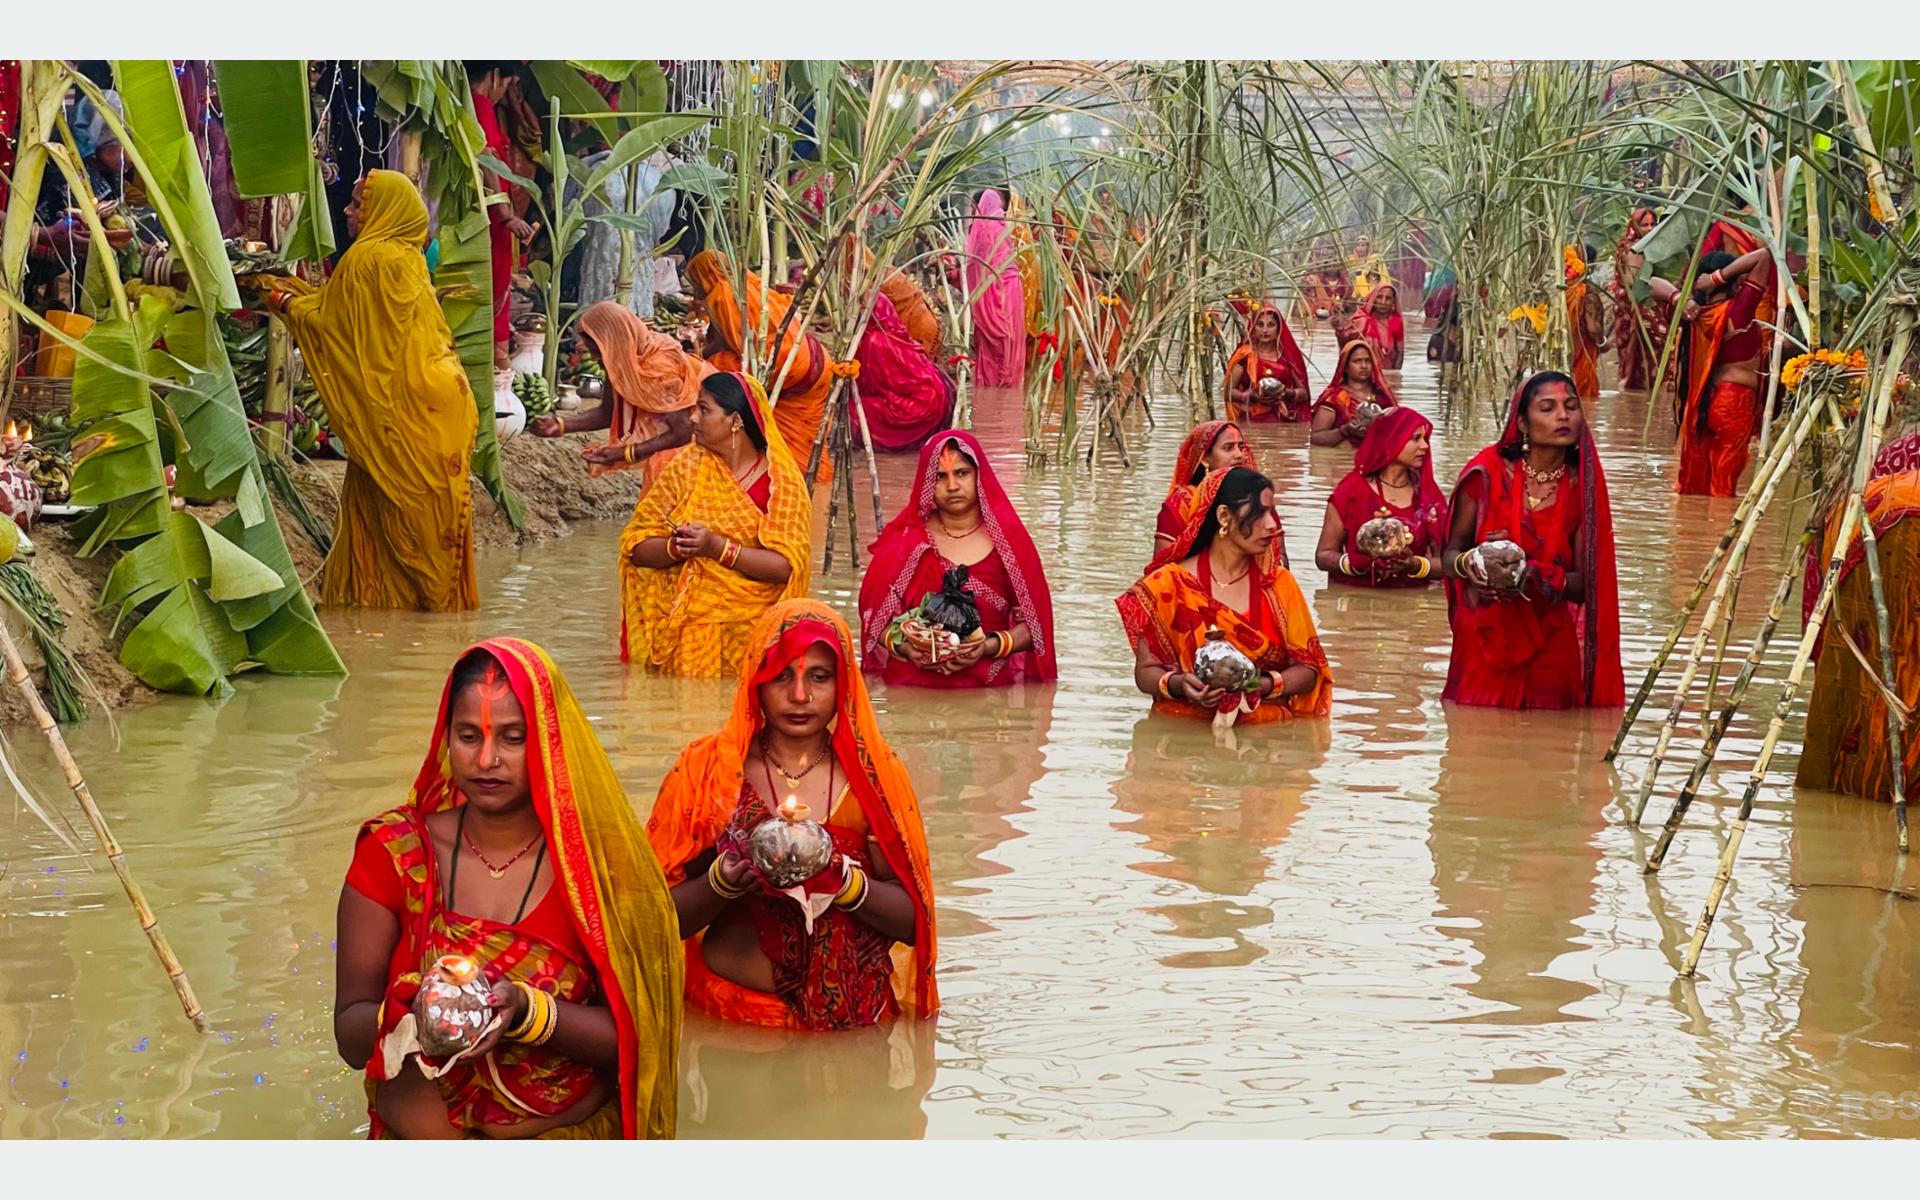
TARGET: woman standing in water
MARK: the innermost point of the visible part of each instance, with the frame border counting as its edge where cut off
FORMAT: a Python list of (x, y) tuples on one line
[(1218, 579), (1269, 353), (1356, 380), (720, 537), (852, 946), (1392, 476), (654, 384), (1554, 640), (959, 515), (518, 850), (1378, 323), (381, 354), (1211, 446)]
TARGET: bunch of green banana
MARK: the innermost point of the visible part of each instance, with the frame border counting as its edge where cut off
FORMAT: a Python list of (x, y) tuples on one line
[(534, 393)]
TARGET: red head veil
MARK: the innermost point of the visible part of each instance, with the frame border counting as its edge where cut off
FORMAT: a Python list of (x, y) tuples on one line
[(1383, 393), (615, 891), (896, 555), (1289, 349), (1197, 445), (1502, 505), (1386, 438)]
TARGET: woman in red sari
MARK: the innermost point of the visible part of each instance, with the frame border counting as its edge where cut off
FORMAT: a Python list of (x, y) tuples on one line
[(1356, 380), (1555, 641), (852, 946), (1378, 324), (518, 850), (1392, 476), (1639, 327), (1212, 446), (960, 515), (1268, 353), (1220, 579), (904, 396)]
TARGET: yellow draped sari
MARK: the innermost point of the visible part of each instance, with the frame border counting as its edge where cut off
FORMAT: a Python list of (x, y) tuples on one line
[(383, 358), (693, 618)]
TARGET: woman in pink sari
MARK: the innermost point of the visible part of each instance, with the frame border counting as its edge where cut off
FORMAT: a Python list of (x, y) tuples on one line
[(999, 302), (904, 395)]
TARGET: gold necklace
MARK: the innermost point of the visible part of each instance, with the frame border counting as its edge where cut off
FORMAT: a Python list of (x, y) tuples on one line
[(793, 780), (957, 536), (752, 469), (1553, 476)]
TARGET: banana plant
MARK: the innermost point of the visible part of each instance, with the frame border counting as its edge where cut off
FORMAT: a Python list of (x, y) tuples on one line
[(212, 599)]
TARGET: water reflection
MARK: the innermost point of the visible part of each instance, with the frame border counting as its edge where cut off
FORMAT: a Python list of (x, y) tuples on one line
[(1405, 921)]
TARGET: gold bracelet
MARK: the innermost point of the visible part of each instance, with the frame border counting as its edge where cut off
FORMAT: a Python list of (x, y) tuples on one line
[(730, 553), (1346, 567), (854, 888), (1425, 568), (550, 1009), (1165, 692), (528, 1019), (627, 453), (719, 884)]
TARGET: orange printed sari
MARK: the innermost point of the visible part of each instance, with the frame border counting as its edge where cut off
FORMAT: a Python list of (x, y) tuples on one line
[(829, 978), (651, 376), (692, 618), (801, 404), (1172, 610), (618, 924)]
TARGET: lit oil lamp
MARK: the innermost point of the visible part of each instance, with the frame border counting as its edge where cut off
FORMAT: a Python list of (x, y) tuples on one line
[(793, 849)]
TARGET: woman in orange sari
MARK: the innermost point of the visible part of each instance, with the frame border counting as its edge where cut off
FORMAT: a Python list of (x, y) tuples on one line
[(1553, 642), (654, 383), (853, 945), (381, 354), (1269, 353), (1357, 380), (518, 852), (1212, 446), (1585, 328), (721, 536), (801, 403), (1220, 578), (1847, 745)]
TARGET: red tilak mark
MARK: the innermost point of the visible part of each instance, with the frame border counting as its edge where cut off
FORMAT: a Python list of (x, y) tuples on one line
[(493, 686)]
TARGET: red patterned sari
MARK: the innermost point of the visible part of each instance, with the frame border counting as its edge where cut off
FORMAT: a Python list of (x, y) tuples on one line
[(1344, 403), (603, 933), (1358, 500), (1009, 585), (842, 973)]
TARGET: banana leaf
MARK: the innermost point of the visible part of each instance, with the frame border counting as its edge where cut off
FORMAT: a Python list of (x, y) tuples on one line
[(269, 121), (170, 164), (183, 642)]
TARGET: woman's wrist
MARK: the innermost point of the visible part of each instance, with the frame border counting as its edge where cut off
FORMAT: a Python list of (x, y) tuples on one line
[(722, 887)]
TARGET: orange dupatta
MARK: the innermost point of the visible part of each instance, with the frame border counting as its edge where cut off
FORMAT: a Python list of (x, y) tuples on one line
[(650, 373), (802, 401), (615, 893), (1172, 612), (698, 798)]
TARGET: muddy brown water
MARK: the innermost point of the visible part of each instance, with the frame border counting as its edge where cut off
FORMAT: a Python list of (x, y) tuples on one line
[(1407, 921)]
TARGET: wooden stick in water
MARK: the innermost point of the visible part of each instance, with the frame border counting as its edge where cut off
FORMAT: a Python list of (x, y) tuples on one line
[(1685, 617), (149, 924), (1739, 690), (1896, 741), (1748, 527)]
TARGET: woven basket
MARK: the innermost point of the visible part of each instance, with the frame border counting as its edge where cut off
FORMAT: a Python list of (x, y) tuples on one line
[(34, 396)]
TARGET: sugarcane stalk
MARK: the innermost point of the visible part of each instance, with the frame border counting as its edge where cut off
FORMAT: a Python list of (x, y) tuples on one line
[(1776, 471), (277, 405), (833, 493), (873, 463), (1711, 745), (149, 924), (845, 467), (1738, 572), (1896, 748), (1777, 194), (1878, 192), (1812, 182), (1863, 459), (1802, 426)]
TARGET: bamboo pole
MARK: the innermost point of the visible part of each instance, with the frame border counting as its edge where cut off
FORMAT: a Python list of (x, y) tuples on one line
[(149, 924), (1896, 742), (1804, 654), (1747, 527), (1711, 745)]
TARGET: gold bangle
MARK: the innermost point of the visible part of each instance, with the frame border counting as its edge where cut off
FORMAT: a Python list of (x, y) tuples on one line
[(730, 553), (627, 453), (550, 1009), (719, 884), (528, 1019), (1426, 567), (1346, 567), (853, 888), (1165, 692)]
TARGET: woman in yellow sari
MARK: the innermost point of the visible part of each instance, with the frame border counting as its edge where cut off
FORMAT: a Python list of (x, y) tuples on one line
[(854, 944), (722, 535), (517, 854), (382, 356), (1220, 576), (802, 403)]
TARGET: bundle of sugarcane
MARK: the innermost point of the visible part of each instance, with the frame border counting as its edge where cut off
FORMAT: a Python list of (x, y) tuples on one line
[(29, 597)]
